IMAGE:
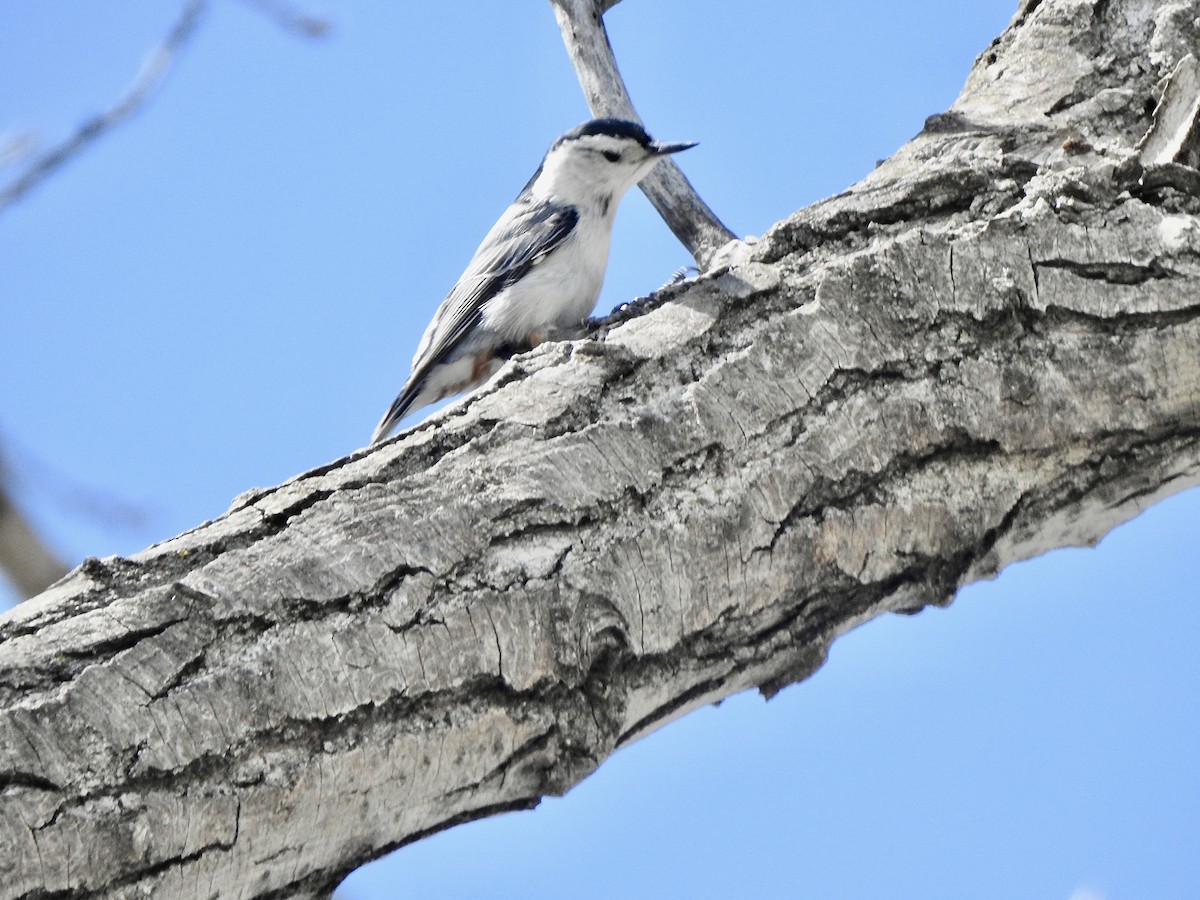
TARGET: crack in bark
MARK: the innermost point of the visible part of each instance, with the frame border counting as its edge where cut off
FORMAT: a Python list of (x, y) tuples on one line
[(932, 198), (31, 780), (1126, 273), (102, 650), (665, 711), (950, 386), (140, 880)]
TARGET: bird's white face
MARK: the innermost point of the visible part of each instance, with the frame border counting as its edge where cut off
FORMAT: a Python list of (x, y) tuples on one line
[(594, 169)]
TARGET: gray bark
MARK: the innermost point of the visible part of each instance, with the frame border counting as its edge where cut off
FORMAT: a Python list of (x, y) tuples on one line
[(985, 349)]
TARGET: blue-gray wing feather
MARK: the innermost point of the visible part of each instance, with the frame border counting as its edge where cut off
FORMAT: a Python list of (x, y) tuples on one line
[(526, 233), (524, 236)]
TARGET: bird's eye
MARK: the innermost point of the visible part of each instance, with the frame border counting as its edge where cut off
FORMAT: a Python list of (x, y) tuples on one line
[(612, 155)]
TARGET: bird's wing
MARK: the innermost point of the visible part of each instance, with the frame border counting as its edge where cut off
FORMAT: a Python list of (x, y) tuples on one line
[(523, 236), (516, 243)]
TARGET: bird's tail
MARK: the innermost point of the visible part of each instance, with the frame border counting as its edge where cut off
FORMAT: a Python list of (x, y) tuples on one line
[(397, 411)]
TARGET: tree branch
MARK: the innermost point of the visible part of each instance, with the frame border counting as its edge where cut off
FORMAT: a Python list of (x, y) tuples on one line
[(154, 72), (688, 217), (291, 19), (24, 557), (985, 349), (151, 77)]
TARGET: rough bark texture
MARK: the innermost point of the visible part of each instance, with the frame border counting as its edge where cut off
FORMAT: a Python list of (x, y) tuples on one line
[(985, 349)]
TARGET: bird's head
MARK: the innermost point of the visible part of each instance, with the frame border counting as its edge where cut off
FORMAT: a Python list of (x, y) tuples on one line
[(598, 162)]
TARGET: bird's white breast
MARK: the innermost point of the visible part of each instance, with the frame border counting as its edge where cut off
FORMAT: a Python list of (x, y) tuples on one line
[(561, 289)]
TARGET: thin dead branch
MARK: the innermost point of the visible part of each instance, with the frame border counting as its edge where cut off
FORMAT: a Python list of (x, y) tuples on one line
[(151, 77), (583, 31), (291, 19), (148, 80), (24, 558)]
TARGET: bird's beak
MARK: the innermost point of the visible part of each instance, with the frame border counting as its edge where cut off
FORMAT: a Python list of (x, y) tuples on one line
[(667, 149)]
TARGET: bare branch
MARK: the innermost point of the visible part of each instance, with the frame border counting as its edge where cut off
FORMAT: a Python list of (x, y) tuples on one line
[(70, 494), (16, 146), (29, 564), (144, 85), (292, 19), (582, 26), (983, 350)]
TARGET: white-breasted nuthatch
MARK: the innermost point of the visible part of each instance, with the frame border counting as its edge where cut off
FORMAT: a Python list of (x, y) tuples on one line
[(538, 270)]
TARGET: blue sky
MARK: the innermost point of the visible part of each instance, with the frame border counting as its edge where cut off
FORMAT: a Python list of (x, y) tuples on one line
[(228, 290)]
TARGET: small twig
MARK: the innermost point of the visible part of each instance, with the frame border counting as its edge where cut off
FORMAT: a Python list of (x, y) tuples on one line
[(16, 146), (582, 26), (24, 472), (144, 85), (292, 19), (148, 80)]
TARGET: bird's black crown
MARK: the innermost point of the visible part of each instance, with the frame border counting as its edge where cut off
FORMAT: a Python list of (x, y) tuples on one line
[(618, 128)]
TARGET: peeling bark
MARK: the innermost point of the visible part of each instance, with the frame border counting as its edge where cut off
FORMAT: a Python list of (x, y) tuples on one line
[(985, 349)]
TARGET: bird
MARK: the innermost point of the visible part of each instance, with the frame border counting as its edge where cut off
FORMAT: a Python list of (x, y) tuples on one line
[(538, 270)]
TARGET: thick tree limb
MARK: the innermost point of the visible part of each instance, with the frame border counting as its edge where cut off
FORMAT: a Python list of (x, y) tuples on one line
[(985, 349), (688, 217)]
